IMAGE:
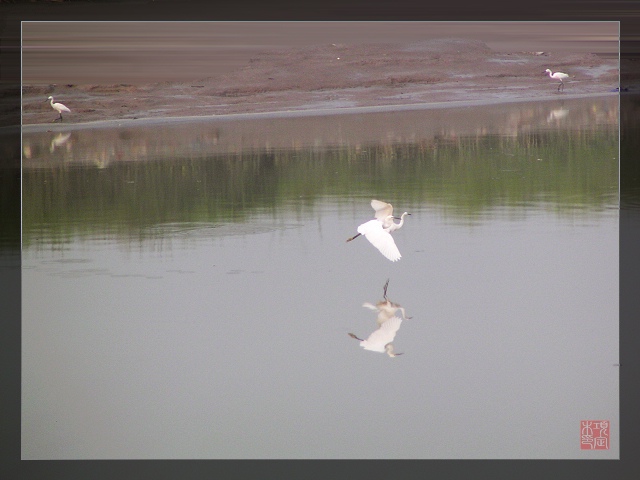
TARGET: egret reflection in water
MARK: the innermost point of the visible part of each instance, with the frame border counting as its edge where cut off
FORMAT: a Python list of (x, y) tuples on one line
[(557, 114), (380, 340), (59, 140)]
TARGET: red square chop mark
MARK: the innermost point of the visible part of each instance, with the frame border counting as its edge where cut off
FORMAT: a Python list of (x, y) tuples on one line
[(594, 435)]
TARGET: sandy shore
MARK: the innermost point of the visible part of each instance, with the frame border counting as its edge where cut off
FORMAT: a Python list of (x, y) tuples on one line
[(331, 78)]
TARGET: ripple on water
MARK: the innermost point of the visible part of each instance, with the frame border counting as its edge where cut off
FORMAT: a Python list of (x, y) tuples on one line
[(209, 230)]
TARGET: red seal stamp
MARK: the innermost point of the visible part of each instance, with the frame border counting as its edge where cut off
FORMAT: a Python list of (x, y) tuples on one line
[(594, 435)]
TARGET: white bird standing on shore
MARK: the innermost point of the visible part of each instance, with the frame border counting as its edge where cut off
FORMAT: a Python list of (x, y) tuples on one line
[(378, 231), (558, 76), (388, 325), (58, 107)]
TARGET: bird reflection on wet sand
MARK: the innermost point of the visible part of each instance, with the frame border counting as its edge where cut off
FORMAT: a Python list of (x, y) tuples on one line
[(388, 325)]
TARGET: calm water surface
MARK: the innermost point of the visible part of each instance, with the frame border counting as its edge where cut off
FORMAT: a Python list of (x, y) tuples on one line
[(188, 291)]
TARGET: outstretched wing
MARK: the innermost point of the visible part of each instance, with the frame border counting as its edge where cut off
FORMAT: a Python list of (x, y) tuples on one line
[(380, 238), (383, 210)]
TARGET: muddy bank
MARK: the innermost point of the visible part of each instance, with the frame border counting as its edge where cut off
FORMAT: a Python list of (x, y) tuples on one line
[(336, 76)]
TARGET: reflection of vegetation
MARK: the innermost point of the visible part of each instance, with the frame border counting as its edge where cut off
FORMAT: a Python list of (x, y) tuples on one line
[(465, 176)]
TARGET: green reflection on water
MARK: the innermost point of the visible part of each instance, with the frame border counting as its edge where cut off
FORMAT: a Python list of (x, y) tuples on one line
[(565, 169)]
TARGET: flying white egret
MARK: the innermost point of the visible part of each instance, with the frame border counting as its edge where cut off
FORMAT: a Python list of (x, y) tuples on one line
[(378, 231), (388, 325), (58, 107), (557, 76)]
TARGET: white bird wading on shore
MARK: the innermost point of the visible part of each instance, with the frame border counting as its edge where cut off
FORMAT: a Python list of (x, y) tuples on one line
[(558, 76), (58, 107)]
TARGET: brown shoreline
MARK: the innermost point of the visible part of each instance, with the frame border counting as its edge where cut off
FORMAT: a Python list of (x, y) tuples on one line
[(300, 113), (335, 77)]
